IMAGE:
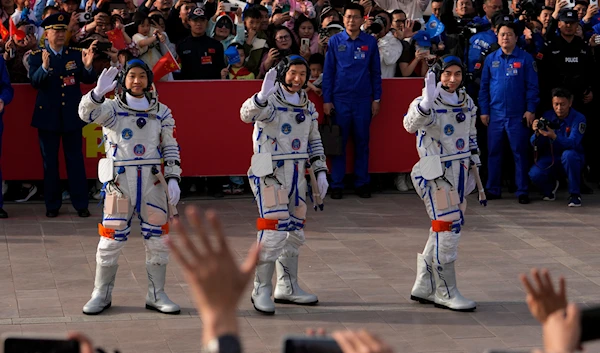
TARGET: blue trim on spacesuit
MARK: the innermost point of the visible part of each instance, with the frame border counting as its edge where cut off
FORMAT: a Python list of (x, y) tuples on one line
[(138, 204), (155, 206)]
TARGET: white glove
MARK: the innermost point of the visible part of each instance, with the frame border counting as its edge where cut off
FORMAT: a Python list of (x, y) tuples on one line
[(174, 192), (476, 160), (268, 86), (430, 92), (322, 184), (106, 82)]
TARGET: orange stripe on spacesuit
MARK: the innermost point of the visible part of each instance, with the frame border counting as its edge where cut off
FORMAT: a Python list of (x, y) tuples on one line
[(106, 232), (441, 226), (266, 224)]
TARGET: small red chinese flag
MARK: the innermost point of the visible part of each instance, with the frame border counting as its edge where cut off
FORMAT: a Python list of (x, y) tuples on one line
[(3, 32), (165, 65), (14, 32), (117, 39)]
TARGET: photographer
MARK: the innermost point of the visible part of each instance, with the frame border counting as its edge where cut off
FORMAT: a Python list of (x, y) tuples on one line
[(557, 143)]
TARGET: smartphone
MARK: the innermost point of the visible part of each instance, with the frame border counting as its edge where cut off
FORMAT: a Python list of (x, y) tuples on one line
[(285, 8), (30, 30), (116, 6), (303, 344), (103, 46), (597, 39), (85, 17), (37, 345), (593, 2), (570, 4), (590, 321), (305, 44), (230, 7)]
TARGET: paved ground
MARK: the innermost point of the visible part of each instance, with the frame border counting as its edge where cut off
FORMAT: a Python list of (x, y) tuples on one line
[(359, 259)]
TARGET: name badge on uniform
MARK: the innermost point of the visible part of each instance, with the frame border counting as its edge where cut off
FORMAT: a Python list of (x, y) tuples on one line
[(71, 65), (359, 54), (495, 63), (511, 70), (342, 47), (206, 60), (69, 81)]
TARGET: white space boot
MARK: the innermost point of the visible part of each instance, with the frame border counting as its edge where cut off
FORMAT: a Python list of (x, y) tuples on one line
[(263, 287), (102, 294), (287, 290), (157, 299), (424, 288), (447, 295)]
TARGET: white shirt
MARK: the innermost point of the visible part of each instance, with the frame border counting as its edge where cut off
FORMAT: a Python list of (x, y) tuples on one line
[(390, 50)]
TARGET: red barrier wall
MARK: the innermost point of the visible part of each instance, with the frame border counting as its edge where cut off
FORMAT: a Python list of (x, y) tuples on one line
[(213, 139)]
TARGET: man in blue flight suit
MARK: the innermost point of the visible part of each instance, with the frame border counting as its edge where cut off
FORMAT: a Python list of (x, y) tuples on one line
[(6, 96), (558, 148), (352, 86), (508, 98), (56, 72)]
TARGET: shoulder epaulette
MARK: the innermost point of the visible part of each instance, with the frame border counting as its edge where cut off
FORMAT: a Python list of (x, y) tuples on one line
[(72, 48), (33, 52)]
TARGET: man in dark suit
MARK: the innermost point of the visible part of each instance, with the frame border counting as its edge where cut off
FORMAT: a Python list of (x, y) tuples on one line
[(56, 72)]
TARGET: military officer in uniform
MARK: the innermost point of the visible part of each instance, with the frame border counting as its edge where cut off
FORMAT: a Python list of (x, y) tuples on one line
[(56, 72)]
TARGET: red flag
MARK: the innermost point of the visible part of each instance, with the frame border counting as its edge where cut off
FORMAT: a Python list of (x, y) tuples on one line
[(117, 39), (3, 32), (165, 65), (14, 32)]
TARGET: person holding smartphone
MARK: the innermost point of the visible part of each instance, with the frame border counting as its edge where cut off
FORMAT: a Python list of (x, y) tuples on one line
[(281, 44)]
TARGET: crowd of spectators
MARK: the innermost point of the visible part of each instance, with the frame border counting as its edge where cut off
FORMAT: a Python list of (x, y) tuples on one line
[(200, 34)]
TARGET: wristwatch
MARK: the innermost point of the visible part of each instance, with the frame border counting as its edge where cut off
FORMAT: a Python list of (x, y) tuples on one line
[(223, 344), (377, 100)]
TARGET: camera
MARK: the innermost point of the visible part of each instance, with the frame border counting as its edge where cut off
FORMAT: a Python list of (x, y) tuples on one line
[(544, 124), (526, 6), (85, 17), (378, 24)]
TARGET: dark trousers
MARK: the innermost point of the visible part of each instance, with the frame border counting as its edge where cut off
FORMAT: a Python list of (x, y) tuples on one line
[(72, 146)]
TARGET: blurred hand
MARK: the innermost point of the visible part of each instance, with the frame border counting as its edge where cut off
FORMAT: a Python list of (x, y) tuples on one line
[(591, 11), (544, 300), (45, 59), (534, 125), (327, 108), (87, 55), (485, 119), (215, 279), (279, 19), (85, 344), (9, 45), (374, 108), (224, 73), (408, 26), (548, 133), (1, 105), (559, 6), (530, 117), (238, 13), (220, 8), (588, 97), (592, 41), (360, 342), (272, 55), (421, 55), (562, 330)]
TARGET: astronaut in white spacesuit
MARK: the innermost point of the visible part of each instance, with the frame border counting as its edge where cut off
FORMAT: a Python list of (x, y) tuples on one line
[(285, 138), (138, 131), (443, 119)]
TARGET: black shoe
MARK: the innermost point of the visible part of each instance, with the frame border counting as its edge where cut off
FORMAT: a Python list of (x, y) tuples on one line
[(363, 192), (3, 213), (52, 213), (490, 196), (337, 193), (523, 199), (84, 213)]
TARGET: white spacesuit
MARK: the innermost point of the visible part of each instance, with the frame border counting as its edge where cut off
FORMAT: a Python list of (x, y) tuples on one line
[(444, 123), (285, 138), (138, 131)]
